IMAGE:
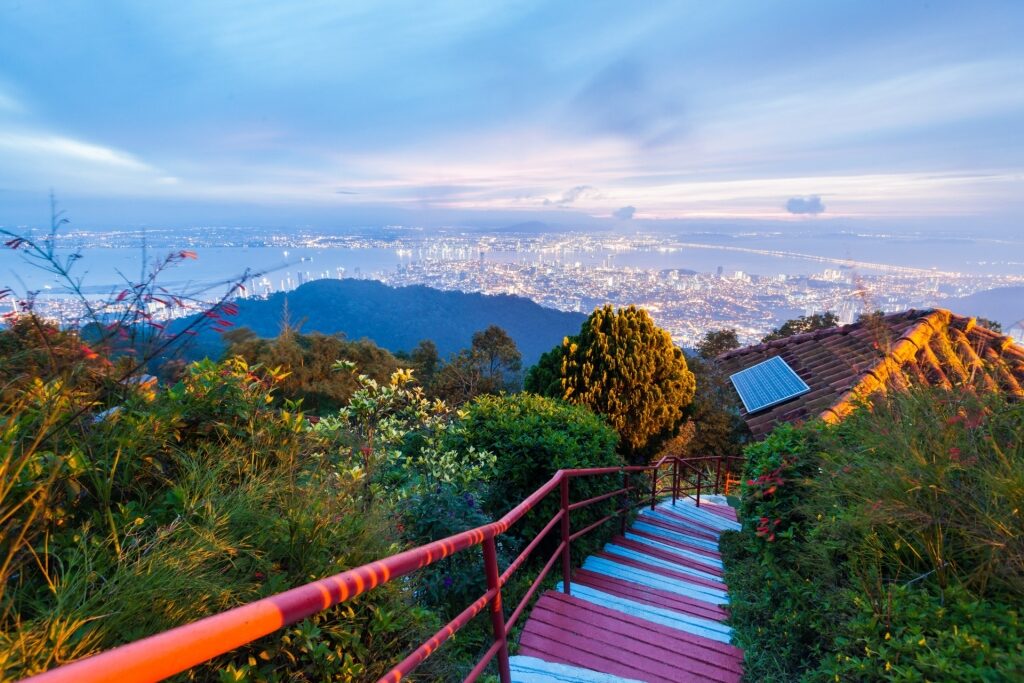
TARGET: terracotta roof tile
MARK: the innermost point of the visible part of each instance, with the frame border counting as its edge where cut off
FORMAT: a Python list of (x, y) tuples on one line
[(843, 364)]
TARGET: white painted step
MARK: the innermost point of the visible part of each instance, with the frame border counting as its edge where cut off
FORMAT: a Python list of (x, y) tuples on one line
[(533, 670)]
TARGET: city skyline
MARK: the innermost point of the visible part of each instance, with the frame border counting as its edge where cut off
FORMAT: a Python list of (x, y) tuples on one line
[(586, 114)]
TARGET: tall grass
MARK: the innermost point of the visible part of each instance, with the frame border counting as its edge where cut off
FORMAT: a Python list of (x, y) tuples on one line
[(179, 504), (888, 547)]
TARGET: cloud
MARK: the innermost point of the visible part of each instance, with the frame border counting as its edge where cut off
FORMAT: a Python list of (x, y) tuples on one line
[(805, 205), (59, 146), (625, 213), (573, 194)]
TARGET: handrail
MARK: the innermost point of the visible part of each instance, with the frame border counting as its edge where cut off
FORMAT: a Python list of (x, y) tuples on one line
[(179, 649)]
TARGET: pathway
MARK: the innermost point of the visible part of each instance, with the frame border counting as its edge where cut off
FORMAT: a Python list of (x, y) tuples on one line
[(649, 607)]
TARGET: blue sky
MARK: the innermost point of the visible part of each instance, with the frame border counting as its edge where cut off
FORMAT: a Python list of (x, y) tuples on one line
[(885, 112)]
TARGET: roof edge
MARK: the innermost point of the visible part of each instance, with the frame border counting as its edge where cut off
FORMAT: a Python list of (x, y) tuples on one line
[(875, 378)]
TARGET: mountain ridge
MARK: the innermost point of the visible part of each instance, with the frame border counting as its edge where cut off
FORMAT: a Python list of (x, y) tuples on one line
[(398, 318)]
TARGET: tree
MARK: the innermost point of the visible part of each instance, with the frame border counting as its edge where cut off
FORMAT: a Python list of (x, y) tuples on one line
[(491, 365), (716, 342), (989, 324), (545, 378), (626, 368), (425, 361), (497, 354), (805, 323), (309, 359), (713, 419), (533, 438)]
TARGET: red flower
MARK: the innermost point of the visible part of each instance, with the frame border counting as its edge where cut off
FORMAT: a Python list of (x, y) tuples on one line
[(188, 254)]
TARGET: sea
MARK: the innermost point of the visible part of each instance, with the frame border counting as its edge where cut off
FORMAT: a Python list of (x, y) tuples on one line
[(103, 270)]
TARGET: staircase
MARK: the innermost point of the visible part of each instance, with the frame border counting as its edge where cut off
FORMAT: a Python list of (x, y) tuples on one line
[(650, 606)]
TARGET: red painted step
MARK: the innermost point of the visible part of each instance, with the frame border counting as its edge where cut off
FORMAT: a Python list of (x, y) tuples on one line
[(708, 528), (655, 569), (678, 544), (650, 596), (678, 529), (666, 555), (573, 631), (726, 511)]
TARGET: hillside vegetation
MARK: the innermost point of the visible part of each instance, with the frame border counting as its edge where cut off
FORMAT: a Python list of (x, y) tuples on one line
[(130, 507), (890, 547)]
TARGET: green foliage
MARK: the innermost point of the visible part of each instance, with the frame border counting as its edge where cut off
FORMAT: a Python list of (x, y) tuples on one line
[(425, 361), (993, 325), (626, 368), (545, 378), (32, 348), (455, 582), (713, 422), (309, 360), (491, 365), (534, 437), (805, 323), (186, 501), (903, 520), (716, 342), (928, 635)]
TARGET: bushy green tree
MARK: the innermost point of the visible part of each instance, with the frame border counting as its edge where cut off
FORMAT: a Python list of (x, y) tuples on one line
[(425, 361), (545, 378), (715, 425), (805, 323), (716, 342), (626, 368), (533, 438), (492, 364)]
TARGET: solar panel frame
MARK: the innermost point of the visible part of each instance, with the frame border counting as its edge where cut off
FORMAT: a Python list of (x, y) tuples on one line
[(767, 384)]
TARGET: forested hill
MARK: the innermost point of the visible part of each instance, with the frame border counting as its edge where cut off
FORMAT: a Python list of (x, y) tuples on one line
[(397, 318)]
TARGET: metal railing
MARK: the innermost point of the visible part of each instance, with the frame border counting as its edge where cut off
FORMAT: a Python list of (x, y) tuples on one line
[(179, 649)]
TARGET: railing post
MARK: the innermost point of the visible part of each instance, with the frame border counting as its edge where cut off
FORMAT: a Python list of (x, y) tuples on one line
[(700, 474), (566, 558), (625, 504), (497, 612), (718, 476), (675, 480), (654, 486)]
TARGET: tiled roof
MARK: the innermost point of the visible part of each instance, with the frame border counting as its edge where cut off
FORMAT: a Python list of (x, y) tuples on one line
[(842, 364)]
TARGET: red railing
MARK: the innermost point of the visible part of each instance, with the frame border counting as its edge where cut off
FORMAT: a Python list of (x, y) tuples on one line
[(165, 654)]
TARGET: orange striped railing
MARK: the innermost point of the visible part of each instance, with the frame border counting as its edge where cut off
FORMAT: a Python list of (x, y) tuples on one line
[(179, 649)]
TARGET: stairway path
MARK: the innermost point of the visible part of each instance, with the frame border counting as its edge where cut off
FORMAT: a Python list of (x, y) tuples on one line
[(650, 606)]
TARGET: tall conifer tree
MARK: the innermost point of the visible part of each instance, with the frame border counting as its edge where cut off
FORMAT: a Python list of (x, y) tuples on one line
[(626, 368)]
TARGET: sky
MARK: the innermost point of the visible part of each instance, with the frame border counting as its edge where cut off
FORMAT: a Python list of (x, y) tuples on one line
[(890, 113)]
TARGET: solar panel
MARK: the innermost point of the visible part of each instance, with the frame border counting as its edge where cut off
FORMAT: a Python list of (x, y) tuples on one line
[(768, 384)]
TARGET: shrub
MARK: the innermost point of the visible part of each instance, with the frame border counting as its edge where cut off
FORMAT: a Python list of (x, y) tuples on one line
[(186, 502), (889, 546), (533, 438), (929, 635)]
